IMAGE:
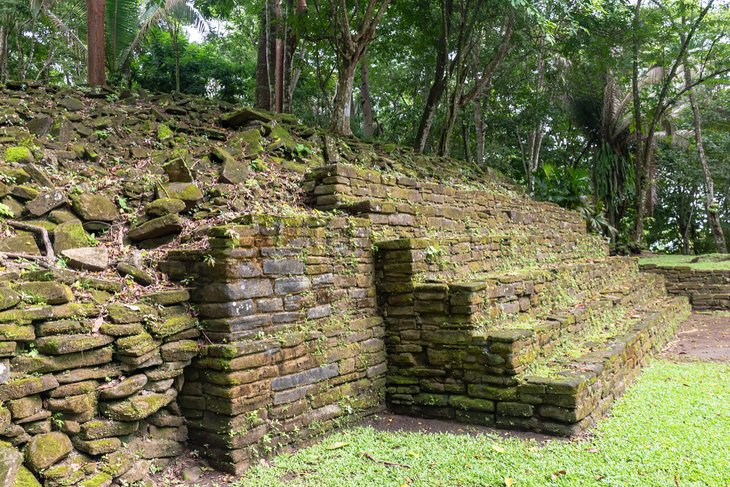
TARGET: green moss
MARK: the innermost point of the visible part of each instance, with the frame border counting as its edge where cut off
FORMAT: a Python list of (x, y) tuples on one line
[(710, 262), (164, 132), (100, 478), (25, 479), (176, 324), (18, 154)]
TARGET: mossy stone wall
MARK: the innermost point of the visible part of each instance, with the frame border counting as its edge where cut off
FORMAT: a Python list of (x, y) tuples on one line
[(706, 289), (295, 345)]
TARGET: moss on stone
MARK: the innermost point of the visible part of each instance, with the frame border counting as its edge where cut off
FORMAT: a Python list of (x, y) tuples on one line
[(25, 479), (164, 132), (18, 154), (46, 449), (176, 324)]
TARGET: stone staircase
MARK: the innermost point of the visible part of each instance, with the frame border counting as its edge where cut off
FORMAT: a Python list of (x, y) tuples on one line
[(499, 310)]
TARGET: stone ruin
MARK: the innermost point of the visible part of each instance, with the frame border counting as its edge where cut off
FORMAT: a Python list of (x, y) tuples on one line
[(252, 334)]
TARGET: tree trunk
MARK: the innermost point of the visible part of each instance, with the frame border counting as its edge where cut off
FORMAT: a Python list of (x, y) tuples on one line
[(534, 141), (639, 152), (279, 29), (439, 80), (3, 54), (710, 205), (176, 50), (262, 95), (350, 44), (21, 58), (95, 11), (460, 99), (365, 100), (479, 131), (343, 97)]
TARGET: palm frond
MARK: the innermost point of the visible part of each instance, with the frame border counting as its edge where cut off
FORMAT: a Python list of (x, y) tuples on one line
[(121, 26), (153, 14), (63, 28)]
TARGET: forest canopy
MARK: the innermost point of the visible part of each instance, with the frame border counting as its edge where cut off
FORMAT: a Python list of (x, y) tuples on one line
[(620, 110)]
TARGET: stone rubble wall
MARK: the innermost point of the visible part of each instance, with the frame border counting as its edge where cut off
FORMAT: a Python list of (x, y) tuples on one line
[(403, 207), (706, 289), (88, 391), (295, 343)]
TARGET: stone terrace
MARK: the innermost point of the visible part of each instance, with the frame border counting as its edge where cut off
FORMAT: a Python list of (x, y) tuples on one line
[(499, 310)]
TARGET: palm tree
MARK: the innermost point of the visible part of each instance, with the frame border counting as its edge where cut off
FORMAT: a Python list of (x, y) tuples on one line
[(606, 121), (128, 24)]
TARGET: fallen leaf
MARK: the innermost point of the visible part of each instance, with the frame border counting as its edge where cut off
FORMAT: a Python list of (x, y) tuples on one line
[(558, 474), (593, 450), (497, 448), (508, 482), (339, 444)]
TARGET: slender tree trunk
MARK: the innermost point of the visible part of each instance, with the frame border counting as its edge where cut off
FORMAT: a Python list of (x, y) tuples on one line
[(279, 29), (3, 54), (639, 150), (460, 99), (343, 97), (365, 100), (710, 205), (95, 11), (176, 50), (534, 140), (351, 43), (479, 130), (439, 81), (263, 98), (21, 58)]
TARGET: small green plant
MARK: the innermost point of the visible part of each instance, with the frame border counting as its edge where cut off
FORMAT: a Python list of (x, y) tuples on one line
[(302, 151), (257, 165), (5, 211), (57, 420), (209, 260), (123, 204)]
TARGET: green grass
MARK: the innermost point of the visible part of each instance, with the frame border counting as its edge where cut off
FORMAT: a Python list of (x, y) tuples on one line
[(706, 262), (671, 428)]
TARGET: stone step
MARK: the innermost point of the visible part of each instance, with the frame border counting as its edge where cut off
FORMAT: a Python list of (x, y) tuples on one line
[(569, 388)]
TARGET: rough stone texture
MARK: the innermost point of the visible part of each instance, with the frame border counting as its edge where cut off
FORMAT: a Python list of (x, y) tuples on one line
[(706, 289), (94, 207), (157, 227), (46, 201), (87, 258), (253, 383), (69, 235), (46, 449)]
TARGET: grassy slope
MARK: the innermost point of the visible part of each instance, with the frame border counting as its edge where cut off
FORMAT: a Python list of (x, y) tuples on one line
[(707, 262), (672, 428)]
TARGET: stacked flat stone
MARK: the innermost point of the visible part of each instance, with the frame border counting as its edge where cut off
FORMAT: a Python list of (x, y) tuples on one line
[(89, 391), (291, 303), (460, 273), (708, 289)]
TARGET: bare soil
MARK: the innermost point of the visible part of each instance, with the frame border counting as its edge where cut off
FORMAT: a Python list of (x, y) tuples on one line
[(704, 336)]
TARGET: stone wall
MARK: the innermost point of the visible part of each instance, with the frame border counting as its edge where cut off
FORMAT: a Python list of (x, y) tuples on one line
[(403, 207), (463, 350), (295, 344), (90, 390), (706, 289)]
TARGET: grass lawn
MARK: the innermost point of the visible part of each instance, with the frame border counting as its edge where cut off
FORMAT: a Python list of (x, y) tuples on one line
[(706, 262), (672, 428)]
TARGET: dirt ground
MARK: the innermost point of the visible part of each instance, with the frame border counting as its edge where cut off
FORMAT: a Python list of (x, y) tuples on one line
[(703, 337)]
